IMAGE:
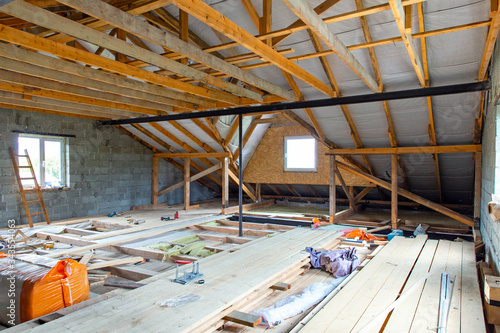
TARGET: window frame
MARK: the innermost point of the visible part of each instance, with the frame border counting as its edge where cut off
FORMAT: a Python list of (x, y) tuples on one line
[(41, 169), (289, 169)]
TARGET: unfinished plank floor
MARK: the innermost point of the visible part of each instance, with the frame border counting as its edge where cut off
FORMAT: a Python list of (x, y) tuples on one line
[(402, 263), (231, 281)]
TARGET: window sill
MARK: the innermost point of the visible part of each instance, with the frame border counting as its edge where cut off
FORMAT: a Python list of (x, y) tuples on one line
[(50, 189)]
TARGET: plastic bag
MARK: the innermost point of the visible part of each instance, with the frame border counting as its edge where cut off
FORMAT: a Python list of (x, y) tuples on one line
[(38, 290), (179, 300), (296, 304), (419, 231), (361, 235)]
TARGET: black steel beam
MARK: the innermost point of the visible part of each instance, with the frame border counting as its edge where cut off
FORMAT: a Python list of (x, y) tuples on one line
[(368, 98)]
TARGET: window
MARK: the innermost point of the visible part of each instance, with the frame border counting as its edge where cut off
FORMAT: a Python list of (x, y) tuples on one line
[(48, 156), (301, 154)]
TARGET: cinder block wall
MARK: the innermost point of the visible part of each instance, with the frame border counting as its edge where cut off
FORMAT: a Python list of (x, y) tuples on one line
[(490, 230), (109, 171)]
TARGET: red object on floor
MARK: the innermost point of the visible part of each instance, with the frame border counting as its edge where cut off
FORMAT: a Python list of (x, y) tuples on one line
[(176, 216), (361, 235)]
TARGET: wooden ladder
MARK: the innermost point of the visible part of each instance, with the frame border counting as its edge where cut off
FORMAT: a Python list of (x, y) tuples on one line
[(23, 191)]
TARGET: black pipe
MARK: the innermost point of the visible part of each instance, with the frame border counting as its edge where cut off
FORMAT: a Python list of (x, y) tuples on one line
[(368, 98), (240, 176)]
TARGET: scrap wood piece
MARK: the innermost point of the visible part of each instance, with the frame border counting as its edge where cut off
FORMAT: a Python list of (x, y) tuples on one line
[(235, 209), (280, 286), (115, 262), (375, 252), (86, 258), (243, 318), (123, 284)]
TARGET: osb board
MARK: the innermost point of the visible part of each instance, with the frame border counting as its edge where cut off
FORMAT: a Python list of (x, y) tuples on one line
[(267, 163)]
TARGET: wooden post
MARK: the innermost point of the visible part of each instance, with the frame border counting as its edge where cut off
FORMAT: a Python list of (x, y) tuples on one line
[(187, 174), (477, 189), (351, 192), (394, 191), (333, 195), (225, 182), (154, 184), (258, 190)]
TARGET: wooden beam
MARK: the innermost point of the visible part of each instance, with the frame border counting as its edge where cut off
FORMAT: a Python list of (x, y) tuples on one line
[(187, 175), (320, 9), (154, 200), (316, 24), (490, 43), (20, 104), (154, 149), (100, 80), (235, 209), (18, 37), (246, 189), (73, 93), (332, 187), (127, 22), (394, 191), (242, 318), (251, 12), (258, 192), (225, 182), (399, 15), (205, 172), (348, 194), (362, 194), (21, 95), (386, 41), (408, 150), (300, 26), (214, 19), (192, 155), (191, 179), (187, 147), (42, 17), (431, 127), (424, 202), (266, 21)]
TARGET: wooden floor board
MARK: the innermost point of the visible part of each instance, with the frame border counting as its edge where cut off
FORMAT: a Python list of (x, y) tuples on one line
[(332, 310), (472, 319), (426, 315), (391, 288), (218, 298), (402, 316), (137, 305), (163, 287)]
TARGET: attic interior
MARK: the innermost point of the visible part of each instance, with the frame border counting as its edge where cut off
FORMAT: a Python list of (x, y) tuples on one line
[(239, 165)]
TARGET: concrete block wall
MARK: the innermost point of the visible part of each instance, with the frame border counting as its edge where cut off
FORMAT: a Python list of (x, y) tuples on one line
[(490, 230), (108, 170)]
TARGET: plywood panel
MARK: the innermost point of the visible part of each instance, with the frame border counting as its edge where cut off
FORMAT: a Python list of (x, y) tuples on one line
[(267, 163)]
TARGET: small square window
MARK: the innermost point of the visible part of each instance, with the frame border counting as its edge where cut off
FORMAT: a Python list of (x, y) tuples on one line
[(48, 157), (301, 154)]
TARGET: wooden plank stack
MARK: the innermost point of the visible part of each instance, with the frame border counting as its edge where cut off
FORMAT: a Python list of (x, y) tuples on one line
[(398, 267), (230, 281)]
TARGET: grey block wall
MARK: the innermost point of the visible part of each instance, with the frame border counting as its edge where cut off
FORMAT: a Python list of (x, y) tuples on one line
[(490, 230), (108, 170)]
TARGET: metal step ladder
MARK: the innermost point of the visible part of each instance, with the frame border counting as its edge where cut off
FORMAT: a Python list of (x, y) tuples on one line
[(15, 161)]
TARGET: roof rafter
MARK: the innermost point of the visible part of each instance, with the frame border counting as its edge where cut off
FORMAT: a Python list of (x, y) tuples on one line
[(399, 15), (316, 24), (214, 19), (131, 24), (431, 128), (42, 17), (18, 37), (300, 27)]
